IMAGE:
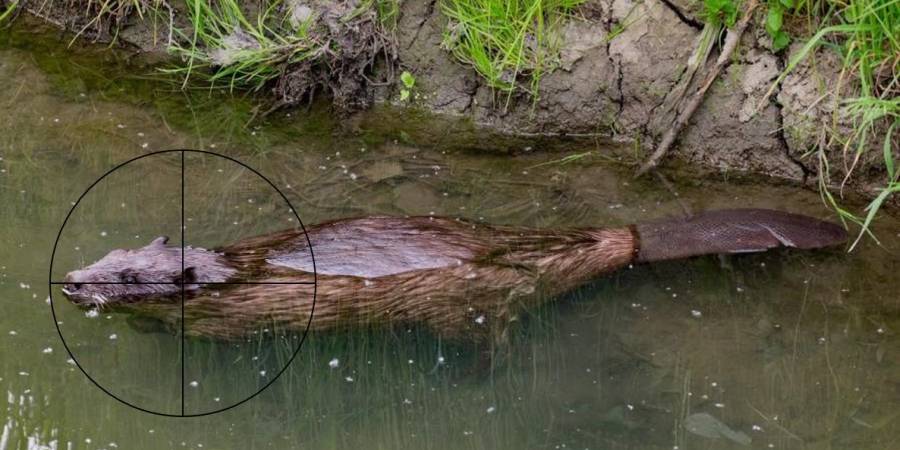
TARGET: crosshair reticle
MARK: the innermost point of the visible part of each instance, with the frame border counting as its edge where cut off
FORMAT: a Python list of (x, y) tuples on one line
[(55, 283)]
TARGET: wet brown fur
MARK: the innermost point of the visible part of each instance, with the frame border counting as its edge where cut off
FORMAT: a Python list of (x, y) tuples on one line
[(511, 270)]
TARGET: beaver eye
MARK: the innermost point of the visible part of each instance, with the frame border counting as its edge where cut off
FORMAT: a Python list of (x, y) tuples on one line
[(128, 278)]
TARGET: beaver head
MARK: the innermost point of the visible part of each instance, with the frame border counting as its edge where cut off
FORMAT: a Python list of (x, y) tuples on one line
[(153, 271)]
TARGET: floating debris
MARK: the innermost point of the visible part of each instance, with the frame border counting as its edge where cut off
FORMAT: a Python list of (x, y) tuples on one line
[(703, 424)]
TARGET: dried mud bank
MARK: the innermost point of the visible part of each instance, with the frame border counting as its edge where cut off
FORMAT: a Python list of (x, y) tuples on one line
[(619, 68)]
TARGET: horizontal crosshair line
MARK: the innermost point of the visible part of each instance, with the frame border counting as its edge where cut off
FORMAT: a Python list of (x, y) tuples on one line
[(179, 284)]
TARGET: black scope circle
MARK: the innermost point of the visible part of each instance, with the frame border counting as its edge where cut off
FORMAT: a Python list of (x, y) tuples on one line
[(53, 283)]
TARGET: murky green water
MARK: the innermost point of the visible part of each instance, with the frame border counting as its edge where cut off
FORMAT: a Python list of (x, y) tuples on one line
[(782, 350)]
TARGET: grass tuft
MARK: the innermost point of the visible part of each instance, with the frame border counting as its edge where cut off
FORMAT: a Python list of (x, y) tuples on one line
[(227, 49), (292, 47), (507, 40)]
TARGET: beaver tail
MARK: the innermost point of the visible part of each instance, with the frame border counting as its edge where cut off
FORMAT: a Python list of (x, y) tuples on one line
[(732, 231)]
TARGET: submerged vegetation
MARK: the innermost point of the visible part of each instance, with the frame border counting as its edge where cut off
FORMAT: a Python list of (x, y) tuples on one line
[(507, 40)]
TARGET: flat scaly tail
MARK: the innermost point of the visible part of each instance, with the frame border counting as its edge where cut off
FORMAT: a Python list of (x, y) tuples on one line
[(729, 231)]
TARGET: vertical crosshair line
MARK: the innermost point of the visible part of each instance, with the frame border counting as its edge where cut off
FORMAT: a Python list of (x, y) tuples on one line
[(182, 282)]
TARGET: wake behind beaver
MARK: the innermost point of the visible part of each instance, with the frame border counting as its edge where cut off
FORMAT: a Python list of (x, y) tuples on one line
[(463, 280)]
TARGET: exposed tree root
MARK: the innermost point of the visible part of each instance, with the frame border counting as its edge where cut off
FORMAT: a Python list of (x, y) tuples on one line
[(731, 43)]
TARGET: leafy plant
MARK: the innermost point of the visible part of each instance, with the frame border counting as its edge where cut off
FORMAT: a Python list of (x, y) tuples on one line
[(409, 81), (720, 12), (775, 23)]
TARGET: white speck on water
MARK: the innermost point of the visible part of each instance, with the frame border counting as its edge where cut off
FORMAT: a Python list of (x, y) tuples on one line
[(348, 379), (353, 176), (70, 361), (23, 373), (262, 373), (696, 313), (407, 401), (145, 145), (120, 126), (140, 134), (334, 363), (91, 313), (630, 407), (217, 399), (756, 428), (103, 233), (719, 405), (113, 336), (880, 330), (491, 409), (410, 361), (13, 332), (740, 289), (47, 350), (821, 340), (480, 319), (194, 383)]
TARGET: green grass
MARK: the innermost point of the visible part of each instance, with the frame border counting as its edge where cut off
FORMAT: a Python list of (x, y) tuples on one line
[(228, 49), (866, 34), (505, 41), (7, 10)]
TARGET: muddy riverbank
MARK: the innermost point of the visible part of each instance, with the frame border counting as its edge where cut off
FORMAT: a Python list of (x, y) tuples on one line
[(619, 78)]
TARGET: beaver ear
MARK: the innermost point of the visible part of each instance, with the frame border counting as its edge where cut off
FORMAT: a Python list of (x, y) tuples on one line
[(160, 240), (188, 276)]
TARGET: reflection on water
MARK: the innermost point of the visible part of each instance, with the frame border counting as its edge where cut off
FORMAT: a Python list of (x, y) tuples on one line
[(781, 350)]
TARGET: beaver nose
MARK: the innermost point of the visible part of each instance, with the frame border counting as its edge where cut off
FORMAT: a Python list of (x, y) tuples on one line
[(69, 284)]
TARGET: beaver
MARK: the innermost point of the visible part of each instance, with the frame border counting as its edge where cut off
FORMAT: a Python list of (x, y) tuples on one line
[(459, 278)]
